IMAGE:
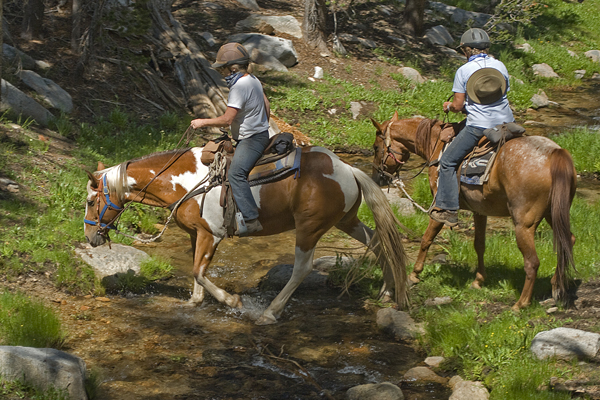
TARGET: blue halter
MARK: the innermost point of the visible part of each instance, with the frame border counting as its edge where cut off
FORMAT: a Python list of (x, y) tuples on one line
[(108, 204)]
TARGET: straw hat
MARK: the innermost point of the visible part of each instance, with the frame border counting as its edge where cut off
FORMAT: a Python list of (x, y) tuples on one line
[(486, 86)]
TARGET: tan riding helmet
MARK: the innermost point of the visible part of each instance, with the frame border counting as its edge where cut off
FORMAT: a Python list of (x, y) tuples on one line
[(231, 53)]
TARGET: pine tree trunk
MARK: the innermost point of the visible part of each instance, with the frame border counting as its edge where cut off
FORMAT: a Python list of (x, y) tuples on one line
[(32, 19), (314, 24), (414, 12)]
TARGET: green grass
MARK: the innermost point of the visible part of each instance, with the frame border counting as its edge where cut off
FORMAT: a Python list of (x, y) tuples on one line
[(584, 146), (27, 322), (21, 390)]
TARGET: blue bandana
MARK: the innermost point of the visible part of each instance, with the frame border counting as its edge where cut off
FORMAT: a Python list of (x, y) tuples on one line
[(232, 78), (476, 56)]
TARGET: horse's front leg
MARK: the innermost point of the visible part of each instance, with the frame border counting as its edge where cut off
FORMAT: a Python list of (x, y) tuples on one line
[(431, 232), (206, 245), (303, 265), (480, 226)]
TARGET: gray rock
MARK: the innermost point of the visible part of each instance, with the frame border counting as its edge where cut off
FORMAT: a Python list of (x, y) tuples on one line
[(9, 185), (56, 96), (526, 47), (346, 37), (368, 43), (452, 53), (209, 38), (438, 301), (434, 361), (375, 391), (540, 99), (20, 104), (572, 53), (279, 276), (44, 368), (398, 323), (14, 55), (397, 39), (285, 24), (396, 199), (566, 343), (544, 70), (411, 74), (110, 261), (267, 61), (439, 35), (460, 16), (326, 263), (249, 4), (580, 73), (471, 390), (423, 374), (594, 55), (355, 108), (282, 49)]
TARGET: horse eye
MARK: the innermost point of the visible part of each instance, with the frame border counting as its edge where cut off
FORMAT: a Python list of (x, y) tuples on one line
[(90, 203)]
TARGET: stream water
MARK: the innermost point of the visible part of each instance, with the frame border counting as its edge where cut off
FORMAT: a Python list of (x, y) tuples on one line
[(157, 347)]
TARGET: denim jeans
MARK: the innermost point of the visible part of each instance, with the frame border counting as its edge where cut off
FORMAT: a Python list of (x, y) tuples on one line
[(463, 143), (247, 153)]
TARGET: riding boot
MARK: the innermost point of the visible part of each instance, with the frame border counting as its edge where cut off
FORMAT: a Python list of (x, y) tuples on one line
[(249, 227)]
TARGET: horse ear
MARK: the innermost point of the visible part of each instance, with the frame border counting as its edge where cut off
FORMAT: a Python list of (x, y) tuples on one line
[(93, 179), (377, 125), (100, 166), (395, 117)]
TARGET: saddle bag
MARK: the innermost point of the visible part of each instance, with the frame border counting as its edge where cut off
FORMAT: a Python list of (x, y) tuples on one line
[(503, 132), (218, 145)]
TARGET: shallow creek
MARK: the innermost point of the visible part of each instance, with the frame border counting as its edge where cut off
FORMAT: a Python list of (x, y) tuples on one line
[(155, 346)]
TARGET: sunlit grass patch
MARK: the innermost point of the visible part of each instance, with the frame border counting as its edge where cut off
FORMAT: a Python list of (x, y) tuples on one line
[(584, 146), (156, 268), (27, 322)]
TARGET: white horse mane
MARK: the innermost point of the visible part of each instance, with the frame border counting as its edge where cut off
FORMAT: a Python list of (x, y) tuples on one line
[(117, 180)]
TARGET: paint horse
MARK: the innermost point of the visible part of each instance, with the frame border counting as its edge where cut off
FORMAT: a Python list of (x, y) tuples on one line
[(532, 179), (326, 192)]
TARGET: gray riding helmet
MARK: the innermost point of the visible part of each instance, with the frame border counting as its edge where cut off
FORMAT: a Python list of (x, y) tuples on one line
[(475, 38)]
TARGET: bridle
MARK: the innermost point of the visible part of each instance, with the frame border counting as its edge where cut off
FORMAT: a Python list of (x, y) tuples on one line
[(388, 153), (108, 205)]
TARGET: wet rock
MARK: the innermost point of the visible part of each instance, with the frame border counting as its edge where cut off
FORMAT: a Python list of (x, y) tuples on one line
[(411, 74), (110, 261), (279, 276), (398, 323), (439, 35), (423, 375), (53, 94), (471, 390), (434, 362), (375, 391), (540, 99), (44, 368), (566, 343), (544, 70), (594, 55)]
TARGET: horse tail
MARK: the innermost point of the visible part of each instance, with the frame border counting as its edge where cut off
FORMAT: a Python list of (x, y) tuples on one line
[(387, 242), (564, 183)]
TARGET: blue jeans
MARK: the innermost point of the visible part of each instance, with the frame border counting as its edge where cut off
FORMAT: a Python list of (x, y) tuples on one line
[(247, 153), (463, 143)]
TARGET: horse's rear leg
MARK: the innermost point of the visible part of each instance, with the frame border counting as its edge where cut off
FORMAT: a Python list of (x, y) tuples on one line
[(432, 231), (303, 264), (480, 225), (526, 242)]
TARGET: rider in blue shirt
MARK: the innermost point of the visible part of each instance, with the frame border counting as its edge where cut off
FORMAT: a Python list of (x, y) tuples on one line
[(479, 88)]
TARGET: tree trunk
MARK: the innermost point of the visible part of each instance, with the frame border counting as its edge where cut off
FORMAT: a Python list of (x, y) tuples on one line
[(88, 44), (76, 28), (414, 12), (314, 24), (1, 43), (204, 88), (32, 19)]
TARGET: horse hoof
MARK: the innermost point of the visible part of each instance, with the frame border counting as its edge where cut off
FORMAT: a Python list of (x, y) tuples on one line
[(475, 285), (192, 303), (413, 280), (236, 302), (265, 320)]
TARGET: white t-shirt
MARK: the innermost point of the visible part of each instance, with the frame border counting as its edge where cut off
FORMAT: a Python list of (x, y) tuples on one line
[(483, 115), (247, 96)]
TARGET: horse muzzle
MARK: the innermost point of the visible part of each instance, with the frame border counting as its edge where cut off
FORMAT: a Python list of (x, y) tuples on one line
[(96, 239)]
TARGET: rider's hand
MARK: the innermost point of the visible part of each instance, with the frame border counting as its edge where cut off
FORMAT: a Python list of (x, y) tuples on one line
[(446, 106), (197, 123)]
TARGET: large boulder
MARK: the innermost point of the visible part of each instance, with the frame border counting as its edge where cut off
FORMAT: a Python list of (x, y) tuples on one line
[(281, 49), (285, 24), (116, 259), (44, 369), (398, 324), (20, 104), (439, 35), (56, 96), (593, 55), (566, 343), (544, 70)]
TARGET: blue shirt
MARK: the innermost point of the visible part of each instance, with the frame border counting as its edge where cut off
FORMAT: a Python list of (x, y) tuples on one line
[(483, 115)]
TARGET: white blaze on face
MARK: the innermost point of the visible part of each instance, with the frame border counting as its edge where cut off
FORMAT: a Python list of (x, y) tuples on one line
[(342, 174)]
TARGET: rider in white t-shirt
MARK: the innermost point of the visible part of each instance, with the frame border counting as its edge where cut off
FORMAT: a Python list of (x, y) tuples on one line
[(248, 115), (479, 88)]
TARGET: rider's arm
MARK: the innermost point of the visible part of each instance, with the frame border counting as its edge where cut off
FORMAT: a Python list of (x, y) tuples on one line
[(224, 120), (457, 104)]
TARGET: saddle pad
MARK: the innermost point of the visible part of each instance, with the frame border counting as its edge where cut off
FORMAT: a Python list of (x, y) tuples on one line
[(287, 164), (472, 170)]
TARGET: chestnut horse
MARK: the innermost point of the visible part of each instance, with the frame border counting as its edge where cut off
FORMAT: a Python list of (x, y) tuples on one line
[(532, 179), (326, 192)]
